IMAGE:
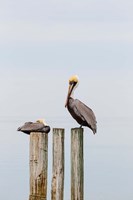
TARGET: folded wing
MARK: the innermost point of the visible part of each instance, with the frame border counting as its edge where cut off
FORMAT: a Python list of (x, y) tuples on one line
[(87, 114), (31, 127)]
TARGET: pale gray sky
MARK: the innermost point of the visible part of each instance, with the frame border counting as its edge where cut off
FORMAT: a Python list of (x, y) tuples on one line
[(39, 22), (40, 34)]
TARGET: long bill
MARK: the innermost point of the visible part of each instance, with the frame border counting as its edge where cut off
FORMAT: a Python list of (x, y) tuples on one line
[(70, 89)]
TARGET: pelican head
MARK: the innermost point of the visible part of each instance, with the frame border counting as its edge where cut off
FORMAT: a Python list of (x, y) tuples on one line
[(73, 83), (73, 79), (41, 121)]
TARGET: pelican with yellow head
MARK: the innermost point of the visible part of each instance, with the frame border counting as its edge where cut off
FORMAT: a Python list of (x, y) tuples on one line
[(38, 126), (79, 111)]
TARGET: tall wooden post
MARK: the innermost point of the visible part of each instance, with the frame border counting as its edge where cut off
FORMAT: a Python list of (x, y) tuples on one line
[(77, 164), (57, 186), (38, 165)]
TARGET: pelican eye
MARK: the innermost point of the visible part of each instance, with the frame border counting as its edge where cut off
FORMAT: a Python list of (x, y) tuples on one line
[(72, 82)]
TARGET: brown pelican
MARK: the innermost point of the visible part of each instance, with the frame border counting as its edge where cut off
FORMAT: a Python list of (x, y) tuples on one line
[(79, 111), (38, 126)]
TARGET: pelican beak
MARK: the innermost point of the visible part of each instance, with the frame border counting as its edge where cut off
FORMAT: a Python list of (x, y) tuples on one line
[(69, 93)]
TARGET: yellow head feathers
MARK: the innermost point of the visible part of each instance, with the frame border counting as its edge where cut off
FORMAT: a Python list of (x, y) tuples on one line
[(74, 79), (41, 121)]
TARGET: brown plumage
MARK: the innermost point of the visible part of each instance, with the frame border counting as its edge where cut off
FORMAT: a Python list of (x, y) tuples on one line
[(38, 126), (79, 111)]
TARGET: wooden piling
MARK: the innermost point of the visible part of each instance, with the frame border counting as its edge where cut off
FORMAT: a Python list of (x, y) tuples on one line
[(57, 186), (77, 164), (38, 165)]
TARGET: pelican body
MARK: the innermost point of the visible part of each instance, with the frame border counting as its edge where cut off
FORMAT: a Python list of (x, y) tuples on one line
[(79, 111), (38, 126)]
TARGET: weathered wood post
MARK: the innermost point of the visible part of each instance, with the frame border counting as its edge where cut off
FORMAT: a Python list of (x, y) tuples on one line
[(57, 186), (77, 164), (38, 165)]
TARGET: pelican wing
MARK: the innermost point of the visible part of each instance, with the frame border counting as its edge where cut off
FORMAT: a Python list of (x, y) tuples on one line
[(30, 126), (87, 114)]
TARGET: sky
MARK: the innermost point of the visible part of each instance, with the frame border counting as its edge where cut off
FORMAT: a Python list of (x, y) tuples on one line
[(43, 43), (93, 34)]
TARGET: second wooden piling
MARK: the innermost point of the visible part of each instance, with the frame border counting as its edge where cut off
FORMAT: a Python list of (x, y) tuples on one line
[(77, 164), (57, 186)]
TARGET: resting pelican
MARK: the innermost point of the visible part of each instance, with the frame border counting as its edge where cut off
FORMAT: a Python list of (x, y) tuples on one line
[(79, 111), (38, 126)]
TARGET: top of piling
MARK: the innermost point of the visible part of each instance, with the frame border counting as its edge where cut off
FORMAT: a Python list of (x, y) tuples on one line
[(62, 129), (76, 129)]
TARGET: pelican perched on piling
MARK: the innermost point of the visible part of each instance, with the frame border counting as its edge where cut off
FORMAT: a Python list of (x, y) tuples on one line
[(79, 111), (38, 126)]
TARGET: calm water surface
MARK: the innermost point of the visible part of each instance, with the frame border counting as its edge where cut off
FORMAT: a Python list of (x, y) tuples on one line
[(108, 159)]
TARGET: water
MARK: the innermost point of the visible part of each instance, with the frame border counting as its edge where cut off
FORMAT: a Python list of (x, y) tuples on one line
[(108, 159)]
